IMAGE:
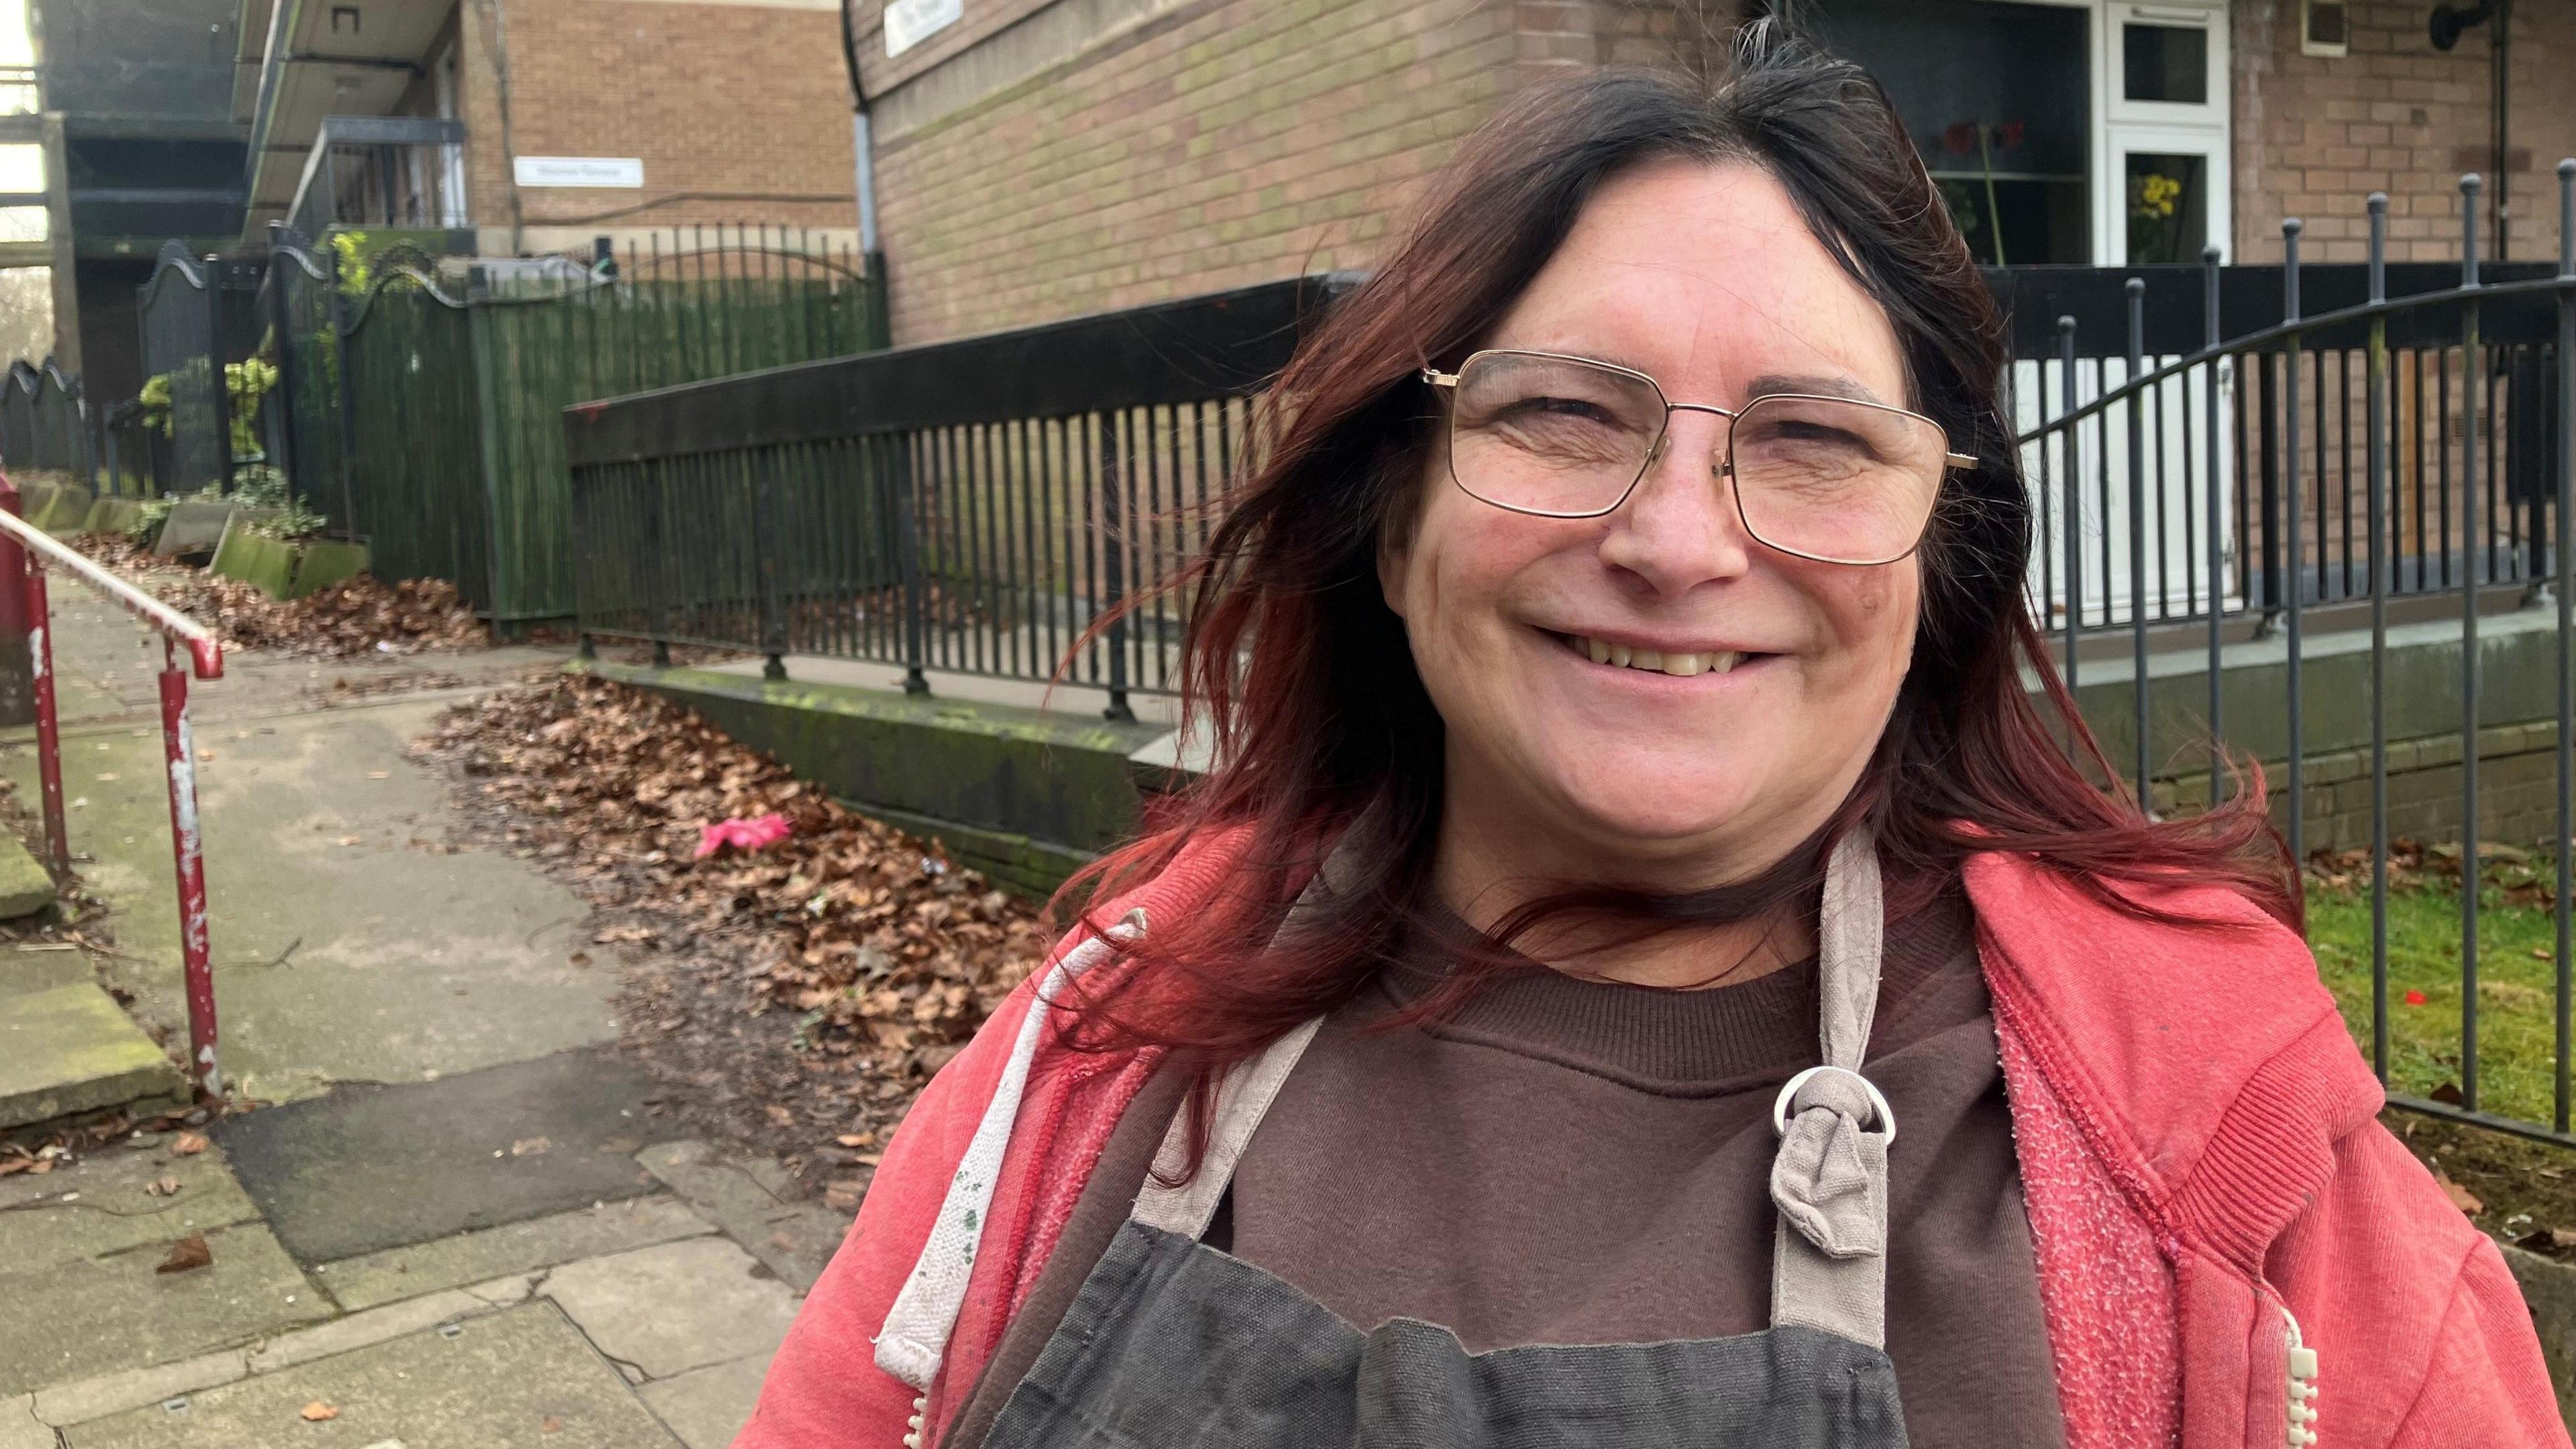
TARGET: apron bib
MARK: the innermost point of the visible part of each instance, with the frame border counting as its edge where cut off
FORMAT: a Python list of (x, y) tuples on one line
[(1171, 1344)]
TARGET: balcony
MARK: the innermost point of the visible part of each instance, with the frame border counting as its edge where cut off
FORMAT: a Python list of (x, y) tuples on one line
[(382, 172)]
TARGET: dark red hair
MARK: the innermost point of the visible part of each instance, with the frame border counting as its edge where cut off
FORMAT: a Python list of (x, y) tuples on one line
[(1300, 674)]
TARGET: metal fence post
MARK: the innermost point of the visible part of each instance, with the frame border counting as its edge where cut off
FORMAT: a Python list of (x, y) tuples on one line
[(2217, 530), (901, 479), (2294, 507), (2376, 455), (344, 397), (280, 268), (1113, 563), (2564, 498), (2137, 294), (220, 379), (765, 547), (2074, 497), (2472, 349)]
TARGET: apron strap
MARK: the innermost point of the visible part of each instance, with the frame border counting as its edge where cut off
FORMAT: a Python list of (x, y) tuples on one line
[(1829, 1180), (1241, 1100)]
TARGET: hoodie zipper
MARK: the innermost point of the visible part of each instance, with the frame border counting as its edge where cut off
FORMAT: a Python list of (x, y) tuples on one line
[(2303, 1388)]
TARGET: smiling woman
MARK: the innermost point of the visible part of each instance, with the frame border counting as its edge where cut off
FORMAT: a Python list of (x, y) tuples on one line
[(1628, 810)]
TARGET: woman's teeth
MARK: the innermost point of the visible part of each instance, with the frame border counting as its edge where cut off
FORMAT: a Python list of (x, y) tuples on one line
[(1683, 665)]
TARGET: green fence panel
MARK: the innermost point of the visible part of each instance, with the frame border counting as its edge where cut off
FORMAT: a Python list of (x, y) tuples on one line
[(418, 485)]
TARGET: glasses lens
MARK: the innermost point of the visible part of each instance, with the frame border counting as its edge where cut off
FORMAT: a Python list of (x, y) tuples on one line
[(1546, 435), (1837, 480)]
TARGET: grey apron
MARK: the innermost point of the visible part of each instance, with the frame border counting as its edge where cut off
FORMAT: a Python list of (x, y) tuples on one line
[(1171, 1344)]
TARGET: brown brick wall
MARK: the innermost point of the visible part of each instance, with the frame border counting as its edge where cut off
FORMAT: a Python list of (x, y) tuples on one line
[(2314, 135), (1217, 144), (745, 102)]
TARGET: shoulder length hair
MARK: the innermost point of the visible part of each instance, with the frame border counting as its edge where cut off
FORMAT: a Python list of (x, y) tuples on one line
[(1299, 675)]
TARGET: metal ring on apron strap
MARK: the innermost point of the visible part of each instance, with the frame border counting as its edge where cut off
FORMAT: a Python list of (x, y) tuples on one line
[(1886, 1116)]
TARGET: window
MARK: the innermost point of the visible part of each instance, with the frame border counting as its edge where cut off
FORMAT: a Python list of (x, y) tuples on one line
[(2167, 63), (2168, 197), (2325, 27)]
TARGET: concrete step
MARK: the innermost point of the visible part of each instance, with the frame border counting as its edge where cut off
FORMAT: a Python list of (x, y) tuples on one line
[(66, 1047), (25, 887)]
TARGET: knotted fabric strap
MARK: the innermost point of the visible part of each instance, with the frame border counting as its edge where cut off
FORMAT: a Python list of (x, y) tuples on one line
[(1829, 1180)]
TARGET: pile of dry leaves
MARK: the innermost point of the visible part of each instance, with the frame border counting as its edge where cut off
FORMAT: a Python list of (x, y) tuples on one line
[(362, 616), (861, 950)]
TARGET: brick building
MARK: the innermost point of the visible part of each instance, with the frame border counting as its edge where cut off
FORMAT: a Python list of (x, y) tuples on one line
[(537, 125), (1041, 158)]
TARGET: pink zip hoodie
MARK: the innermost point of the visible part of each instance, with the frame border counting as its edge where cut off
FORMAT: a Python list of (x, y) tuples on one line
[(2231, 1250)]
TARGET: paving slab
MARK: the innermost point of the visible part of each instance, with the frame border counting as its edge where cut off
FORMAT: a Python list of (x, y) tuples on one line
[(80, 1320), (470, 1259), (68, 1048), (374, 1166), (737, 1308), (706, 1407), (132, 1388), (744, 1197), (521, 1377), (21, 1429), (358, 1330), (106, 1204)]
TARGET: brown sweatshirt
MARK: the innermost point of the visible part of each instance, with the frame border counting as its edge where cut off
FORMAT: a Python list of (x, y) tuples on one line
[(1571, 1161)]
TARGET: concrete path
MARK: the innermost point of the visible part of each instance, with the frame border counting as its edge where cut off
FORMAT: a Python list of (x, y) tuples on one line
[(465, 1222)]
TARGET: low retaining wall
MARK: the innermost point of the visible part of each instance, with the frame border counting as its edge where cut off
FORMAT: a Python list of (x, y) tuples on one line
[(1026, 797)]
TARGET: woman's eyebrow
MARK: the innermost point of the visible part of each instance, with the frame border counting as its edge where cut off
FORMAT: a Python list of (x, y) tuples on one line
[(1814, 385)]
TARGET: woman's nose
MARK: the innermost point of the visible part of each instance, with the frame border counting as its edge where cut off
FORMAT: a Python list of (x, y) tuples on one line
[(1680, 527)]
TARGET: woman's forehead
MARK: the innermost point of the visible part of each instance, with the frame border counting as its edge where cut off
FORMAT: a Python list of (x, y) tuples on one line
[(1706, 277)]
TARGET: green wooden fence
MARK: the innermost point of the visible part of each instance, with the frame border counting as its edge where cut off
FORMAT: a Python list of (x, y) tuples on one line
[(449, 389)]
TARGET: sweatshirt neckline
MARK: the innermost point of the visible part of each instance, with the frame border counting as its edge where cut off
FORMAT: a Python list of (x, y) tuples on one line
[(1708, 1041)]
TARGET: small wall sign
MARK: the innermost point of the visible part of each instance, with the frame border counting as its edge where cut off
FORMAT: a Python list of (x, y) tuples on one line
[(619, 171), (910, 22)]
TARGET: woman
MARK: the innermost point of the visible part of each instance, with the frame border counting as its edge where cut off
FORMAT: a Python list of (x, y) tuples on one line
[(1632, 583)]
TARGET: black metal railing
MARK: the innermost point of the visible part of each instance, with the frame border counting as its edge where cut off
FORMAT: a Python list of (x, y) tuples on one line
[(972, 505), (2389, 444)]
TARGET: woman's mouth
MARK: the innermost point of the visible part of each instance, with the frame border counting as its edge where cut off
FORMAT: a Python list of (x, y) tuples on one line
[(1680, 664)]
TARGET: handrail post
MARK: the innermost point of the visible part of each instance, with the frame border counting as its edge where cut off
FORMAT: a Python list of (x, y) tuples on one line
[(188, 856), (49, 735), (2564, 497)]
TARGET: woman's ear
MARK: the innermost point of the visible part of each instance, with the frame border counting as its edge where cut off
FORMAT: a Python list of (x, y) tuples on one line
[(1396, 529)]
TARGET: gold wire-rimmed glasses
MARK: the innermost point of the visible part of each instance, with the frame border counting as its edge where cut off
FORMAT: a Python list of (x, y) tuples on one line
[(1833, 479)]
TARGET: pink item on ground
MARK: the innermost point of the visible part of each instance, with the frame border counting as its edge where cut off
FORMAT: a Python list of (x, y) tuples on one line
[(757, 833)]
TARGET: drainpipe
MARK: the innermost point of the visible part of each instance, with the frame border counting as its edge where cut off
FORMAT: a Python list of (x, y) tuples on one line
[(2447, 22), (863, 151)]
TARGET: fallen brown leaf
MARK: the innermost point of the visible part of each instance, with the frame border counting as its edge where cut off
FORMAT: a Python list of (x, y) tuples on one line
[(530, 1147), (188, 1145), (550, 1425), (163, 1187), (186, 1255), (317, 1411), (2461, 1198)]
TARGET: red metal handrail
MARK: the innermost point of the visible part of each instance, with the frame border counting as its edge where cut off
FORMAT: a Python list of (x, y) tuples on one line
[(26, 551)]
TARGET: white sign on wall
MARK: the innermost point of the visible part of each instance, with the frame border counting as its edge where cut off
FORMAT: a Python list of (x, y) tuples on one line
[(620, 171), (910, 22)]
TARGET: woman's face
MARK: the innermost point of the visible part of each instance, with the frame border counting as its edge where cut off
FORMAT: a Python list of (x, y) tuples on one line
[(1705, 278)]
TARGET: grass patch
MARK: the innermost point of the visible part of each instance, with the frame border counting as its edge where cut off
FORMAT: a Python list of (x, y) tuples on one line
[(2517, 1031)]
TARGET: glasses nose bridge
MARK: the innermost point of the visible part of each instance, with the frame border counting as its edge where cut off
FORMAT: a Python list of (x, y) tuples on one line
[(1721, 464)]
